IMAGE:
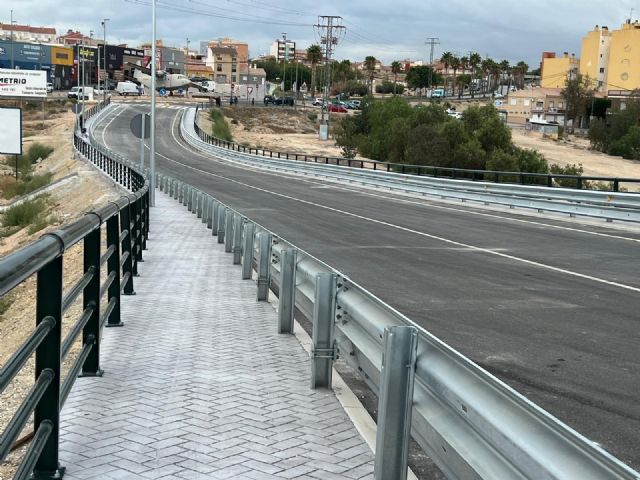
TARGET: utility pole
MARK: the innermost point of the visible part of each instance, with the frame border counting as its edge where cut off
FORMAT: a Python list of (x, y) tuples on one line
[(432, 42), (152, 159), (104, 60), (330, 30)]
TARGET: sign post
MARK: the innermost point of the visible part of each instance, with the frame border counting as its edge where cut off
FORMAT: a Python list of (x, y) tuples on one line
[(141, 128), (11, 133)]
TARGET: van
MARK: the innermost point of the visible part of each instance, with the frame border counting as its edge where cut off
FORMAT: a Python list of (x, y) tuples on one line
[(127, 88), (79, 93)]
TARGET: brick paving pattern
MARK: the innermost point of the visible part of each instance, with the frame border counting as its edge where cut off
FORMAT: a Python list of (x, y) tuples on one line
[(198, 384)]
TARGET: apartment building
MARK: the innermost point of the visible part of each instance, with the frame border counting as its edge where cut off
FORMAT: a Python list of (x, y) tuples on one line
[(539, 104), (555, 70), (594, 57), (283, 49), (223, 60), (27, 33)]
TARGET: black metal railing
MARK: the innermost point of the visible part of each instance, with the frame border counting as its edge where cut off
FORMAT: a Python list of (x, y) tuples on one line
[(523, 178), (127, 226)]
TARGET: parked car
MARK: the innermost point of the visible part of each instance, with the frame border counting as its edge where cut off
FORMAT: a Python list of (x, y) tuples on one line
[(498, 95), (357, 103), (127, 88), (99, 90), (318, 102), (80, 93), (49, 87), (337, 108), (437, 93), (270, 99)]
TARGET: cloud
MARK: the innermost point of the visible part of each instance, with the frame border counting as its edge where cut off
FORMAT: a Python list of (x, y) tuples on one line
[(501, 29)]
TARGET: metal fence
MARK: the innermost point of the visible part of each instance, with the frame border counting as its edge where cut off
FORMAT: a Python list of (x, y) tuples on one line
[(127, 225), (470, 423), (521, 178)]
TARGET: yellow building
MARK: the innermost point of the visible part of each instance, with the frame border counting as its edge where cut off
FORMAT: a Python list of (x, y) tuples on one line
[(624, 58), (594, 57), (555, 70)]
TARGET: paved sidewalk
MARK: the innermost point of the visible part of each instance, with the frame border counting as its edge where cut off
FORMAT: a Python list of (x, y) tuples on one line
[(198, 384)]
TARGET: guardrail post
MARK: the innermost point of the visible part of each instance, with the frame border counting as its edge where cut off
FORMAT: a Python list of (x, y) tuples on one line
[(236, 246), (616, 185), (127, 267), (49, 304), (189, 199), (200, 198), (286, 297), (210, 209), (395, 401), (181, 193), (91, 299), (222, 212), (113, 265), (216, 218), (205, 207), (247, 250), (264, 265), (228, 229), (324, 313)]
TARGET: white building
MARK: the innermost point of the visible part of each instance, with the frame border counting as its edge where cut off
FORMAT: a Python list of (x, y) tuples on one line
[(283, 50), (27, 33)]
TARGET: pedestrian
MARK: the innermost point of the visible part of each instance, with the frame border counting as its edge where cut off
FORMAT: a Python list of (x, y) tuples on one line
[(253, 101)]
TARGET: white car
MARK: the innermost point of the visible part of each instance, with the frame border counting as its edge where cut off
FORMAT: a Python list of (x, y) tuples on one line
[(498, 95), (318, 102), (98, 91)]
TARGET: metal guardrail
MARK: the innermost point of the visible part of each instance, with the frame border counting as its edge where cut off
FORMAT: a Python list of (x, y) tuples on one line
[(605, 205), (127, 226), (469, 422), (522, 178)]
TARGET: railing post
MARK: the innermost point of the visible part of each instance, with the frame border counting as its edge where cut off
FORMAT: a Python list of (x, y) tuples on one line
[(395, 402), (616, 185), (127, 267), (200, 198), (287, 295), (113, 265), (236, 246), (222, 212), (91, 299), (189, 199), (205, 208), (138, 221), (181, 193), (49, 304), (247, 250), (264, 264), (145, 220), (228, 228), (324, 313)]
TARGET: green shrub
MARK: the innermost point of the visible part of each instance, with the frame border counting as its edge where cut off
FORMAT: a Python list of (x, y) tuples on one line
[(39, 151), (27, 184), (220, 127), (571, 169), (25, 214)]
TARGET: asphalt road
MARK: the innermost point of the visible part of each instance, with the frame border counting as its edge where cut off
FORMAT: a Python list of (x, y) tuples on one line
[(550, 306)]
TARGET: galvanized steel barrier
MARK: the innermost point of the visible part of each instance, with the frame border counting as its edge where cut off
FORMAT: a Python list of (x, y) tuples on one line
[(470, 423), (523, 178), (127, 225), (605, 205)]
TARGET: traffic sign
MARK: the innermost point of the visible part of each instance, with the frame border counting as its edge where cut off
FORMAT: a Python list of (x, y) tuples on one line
[(162, 92), (136, 125), (76, 107)]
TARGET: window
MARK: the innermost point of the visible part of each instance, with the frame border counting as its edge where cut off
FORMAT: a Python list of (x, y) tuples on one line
[(233, 78), (218, 68), (602, 70), (527, 102), (233, 67), (219, 58), (551, 104), (244, 78)]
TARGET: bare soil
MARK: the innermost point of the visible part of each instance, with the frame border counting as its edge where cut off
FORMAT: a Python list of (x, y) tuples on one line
[(86, 191)]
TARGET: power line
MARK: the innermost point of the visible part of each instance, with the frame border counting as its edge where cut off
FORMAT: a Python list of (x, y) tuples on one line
[(330, 31), (432, 41)]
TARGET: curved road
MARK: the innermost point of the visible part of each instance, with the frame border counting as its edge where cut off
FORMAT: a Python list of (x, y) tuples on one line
[(550, 306)]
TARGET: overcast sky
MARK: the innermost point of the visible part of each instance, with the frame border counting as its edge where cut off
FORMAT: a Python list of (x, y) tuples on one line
[(389, 30)]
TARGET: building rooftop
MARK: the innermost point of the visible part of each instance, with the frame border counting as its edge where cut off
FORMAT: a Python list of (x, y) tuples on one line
[(28, 28)]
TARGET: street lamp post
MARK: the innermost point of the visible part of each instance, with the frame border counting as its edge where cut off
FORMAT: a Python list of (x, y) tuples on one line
[(13, 22), (284, 74), (152, 160), (104, 59)]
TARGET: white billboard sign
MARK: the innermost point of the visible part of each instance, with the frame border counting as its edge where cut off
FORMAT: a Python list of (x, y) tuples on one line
[(11, 131), (23, 83)]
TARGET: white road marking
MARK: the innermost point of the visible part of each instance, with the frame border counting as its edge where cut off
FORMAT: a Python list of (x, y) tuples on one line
[(405, 229)]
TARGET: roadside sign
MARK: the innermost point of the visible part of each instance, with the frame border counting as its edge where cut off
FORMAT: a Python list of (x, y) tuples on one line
[(76, 107), (498, 103), (162, 92), (23, 83), (136, 125), (11, 131)]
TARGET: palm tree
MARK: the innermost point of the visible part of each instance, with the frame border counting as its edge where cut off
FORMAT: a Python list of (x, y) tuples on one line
[(455, 64), (485, 65), (370, 67), (314, 55), (522, 69), (464, 65), (505, 68), (446, 59), (396, 68), (474, 61)]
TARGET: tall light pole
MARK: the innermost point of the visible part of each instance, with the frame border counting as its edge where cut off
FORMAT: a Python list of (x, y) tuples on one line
[(104, 58), (13, 22), (284, 75), (152, 160)]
